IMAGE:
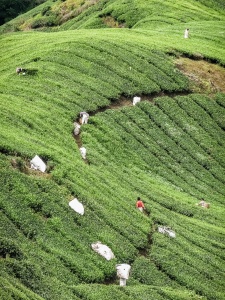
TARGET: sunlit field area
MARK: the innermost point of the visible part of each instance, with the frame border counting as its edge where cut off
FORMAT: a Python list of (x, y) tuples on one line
[(168, 149)]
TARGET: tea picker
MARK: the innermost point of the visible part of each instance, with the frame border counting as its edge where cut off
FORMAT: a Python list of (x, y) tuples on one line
[(123, 272), (84, 117)]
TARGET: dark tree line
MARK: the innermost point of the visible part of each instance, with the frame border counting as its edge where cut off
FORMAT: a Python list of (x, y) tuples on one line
[(10, 9)]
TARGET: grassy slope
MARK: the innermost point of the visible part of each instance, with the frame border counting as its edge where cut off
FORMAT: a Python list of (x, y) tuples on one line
[(170, 159), (78, 14), (136, 14)]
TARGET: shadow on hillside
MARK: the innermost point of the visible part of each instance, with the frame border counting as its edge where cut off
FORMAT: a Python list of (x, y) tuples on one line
[(31, 72), (114, 280), (145, 251)]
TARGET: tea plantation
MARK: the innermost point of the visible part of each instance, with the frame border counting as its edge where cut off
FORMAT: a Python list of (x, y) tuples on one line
[(168, 149)]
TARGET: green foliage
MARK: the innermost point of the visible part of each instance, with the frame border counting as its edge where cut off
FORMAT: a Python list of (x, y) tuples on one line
[(11, 9), (133, 292), (218, 5), (167, 150), (146, 272), (46, 10), (129, 14), (9, 248), (11, 289), (44, 21)]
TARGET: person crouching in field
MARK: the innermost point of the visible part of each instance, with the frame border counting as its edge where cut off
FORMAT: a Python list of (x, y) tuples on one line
[(204, 204), (140, 204)]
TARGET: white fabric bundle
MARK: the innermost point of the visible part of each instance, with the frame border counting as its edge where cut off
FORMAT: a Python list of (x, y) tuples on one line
[(76, 129), (38, 164), (136, 100), (83, 152), (77, 206), (166, 230), (103, 250)]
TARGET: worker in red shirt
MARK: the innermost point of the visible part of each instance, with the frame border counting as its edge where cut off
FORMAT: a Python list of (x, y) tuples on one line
[(140, 204)]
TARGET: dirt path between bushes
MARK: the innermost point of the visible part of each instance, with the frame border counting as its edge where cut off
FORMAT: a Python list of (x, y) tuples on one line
[(205, 78)]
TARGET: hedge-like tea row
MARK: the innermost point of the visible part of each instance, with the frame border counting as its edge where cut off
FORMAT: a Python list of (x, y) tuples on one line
[(115, 133), (160, 151), (176, 154)]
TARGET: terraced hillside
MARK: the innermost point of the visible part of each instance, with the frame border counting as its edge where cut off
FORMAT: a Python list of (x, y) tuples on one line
[(168, 149), (89, 14)]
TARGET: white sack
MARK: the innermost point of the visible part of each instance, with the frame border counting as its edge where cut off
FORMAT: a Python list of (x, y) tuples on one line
[(123, 270), (76, 129), (77, 206), (136, 100), (103, 250), (83, 152), (38, 164), (171, 233), (84, 116), (166, 230), (161, 229)]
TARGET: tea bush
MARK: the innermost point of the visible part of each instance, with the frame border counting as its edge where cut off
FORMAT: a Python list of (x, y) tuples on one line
[(167, 150)]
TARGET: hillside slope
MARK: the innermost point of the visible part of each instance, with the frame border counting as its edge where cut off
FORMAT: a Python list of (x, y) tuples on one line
[(64, 15), (168, 149), (11, 9)]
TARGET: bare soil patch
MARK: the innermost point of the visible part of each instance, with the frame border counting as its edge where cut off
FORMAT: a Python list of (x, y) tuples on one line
[(205, 77), (111, 22), (23, 165)]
